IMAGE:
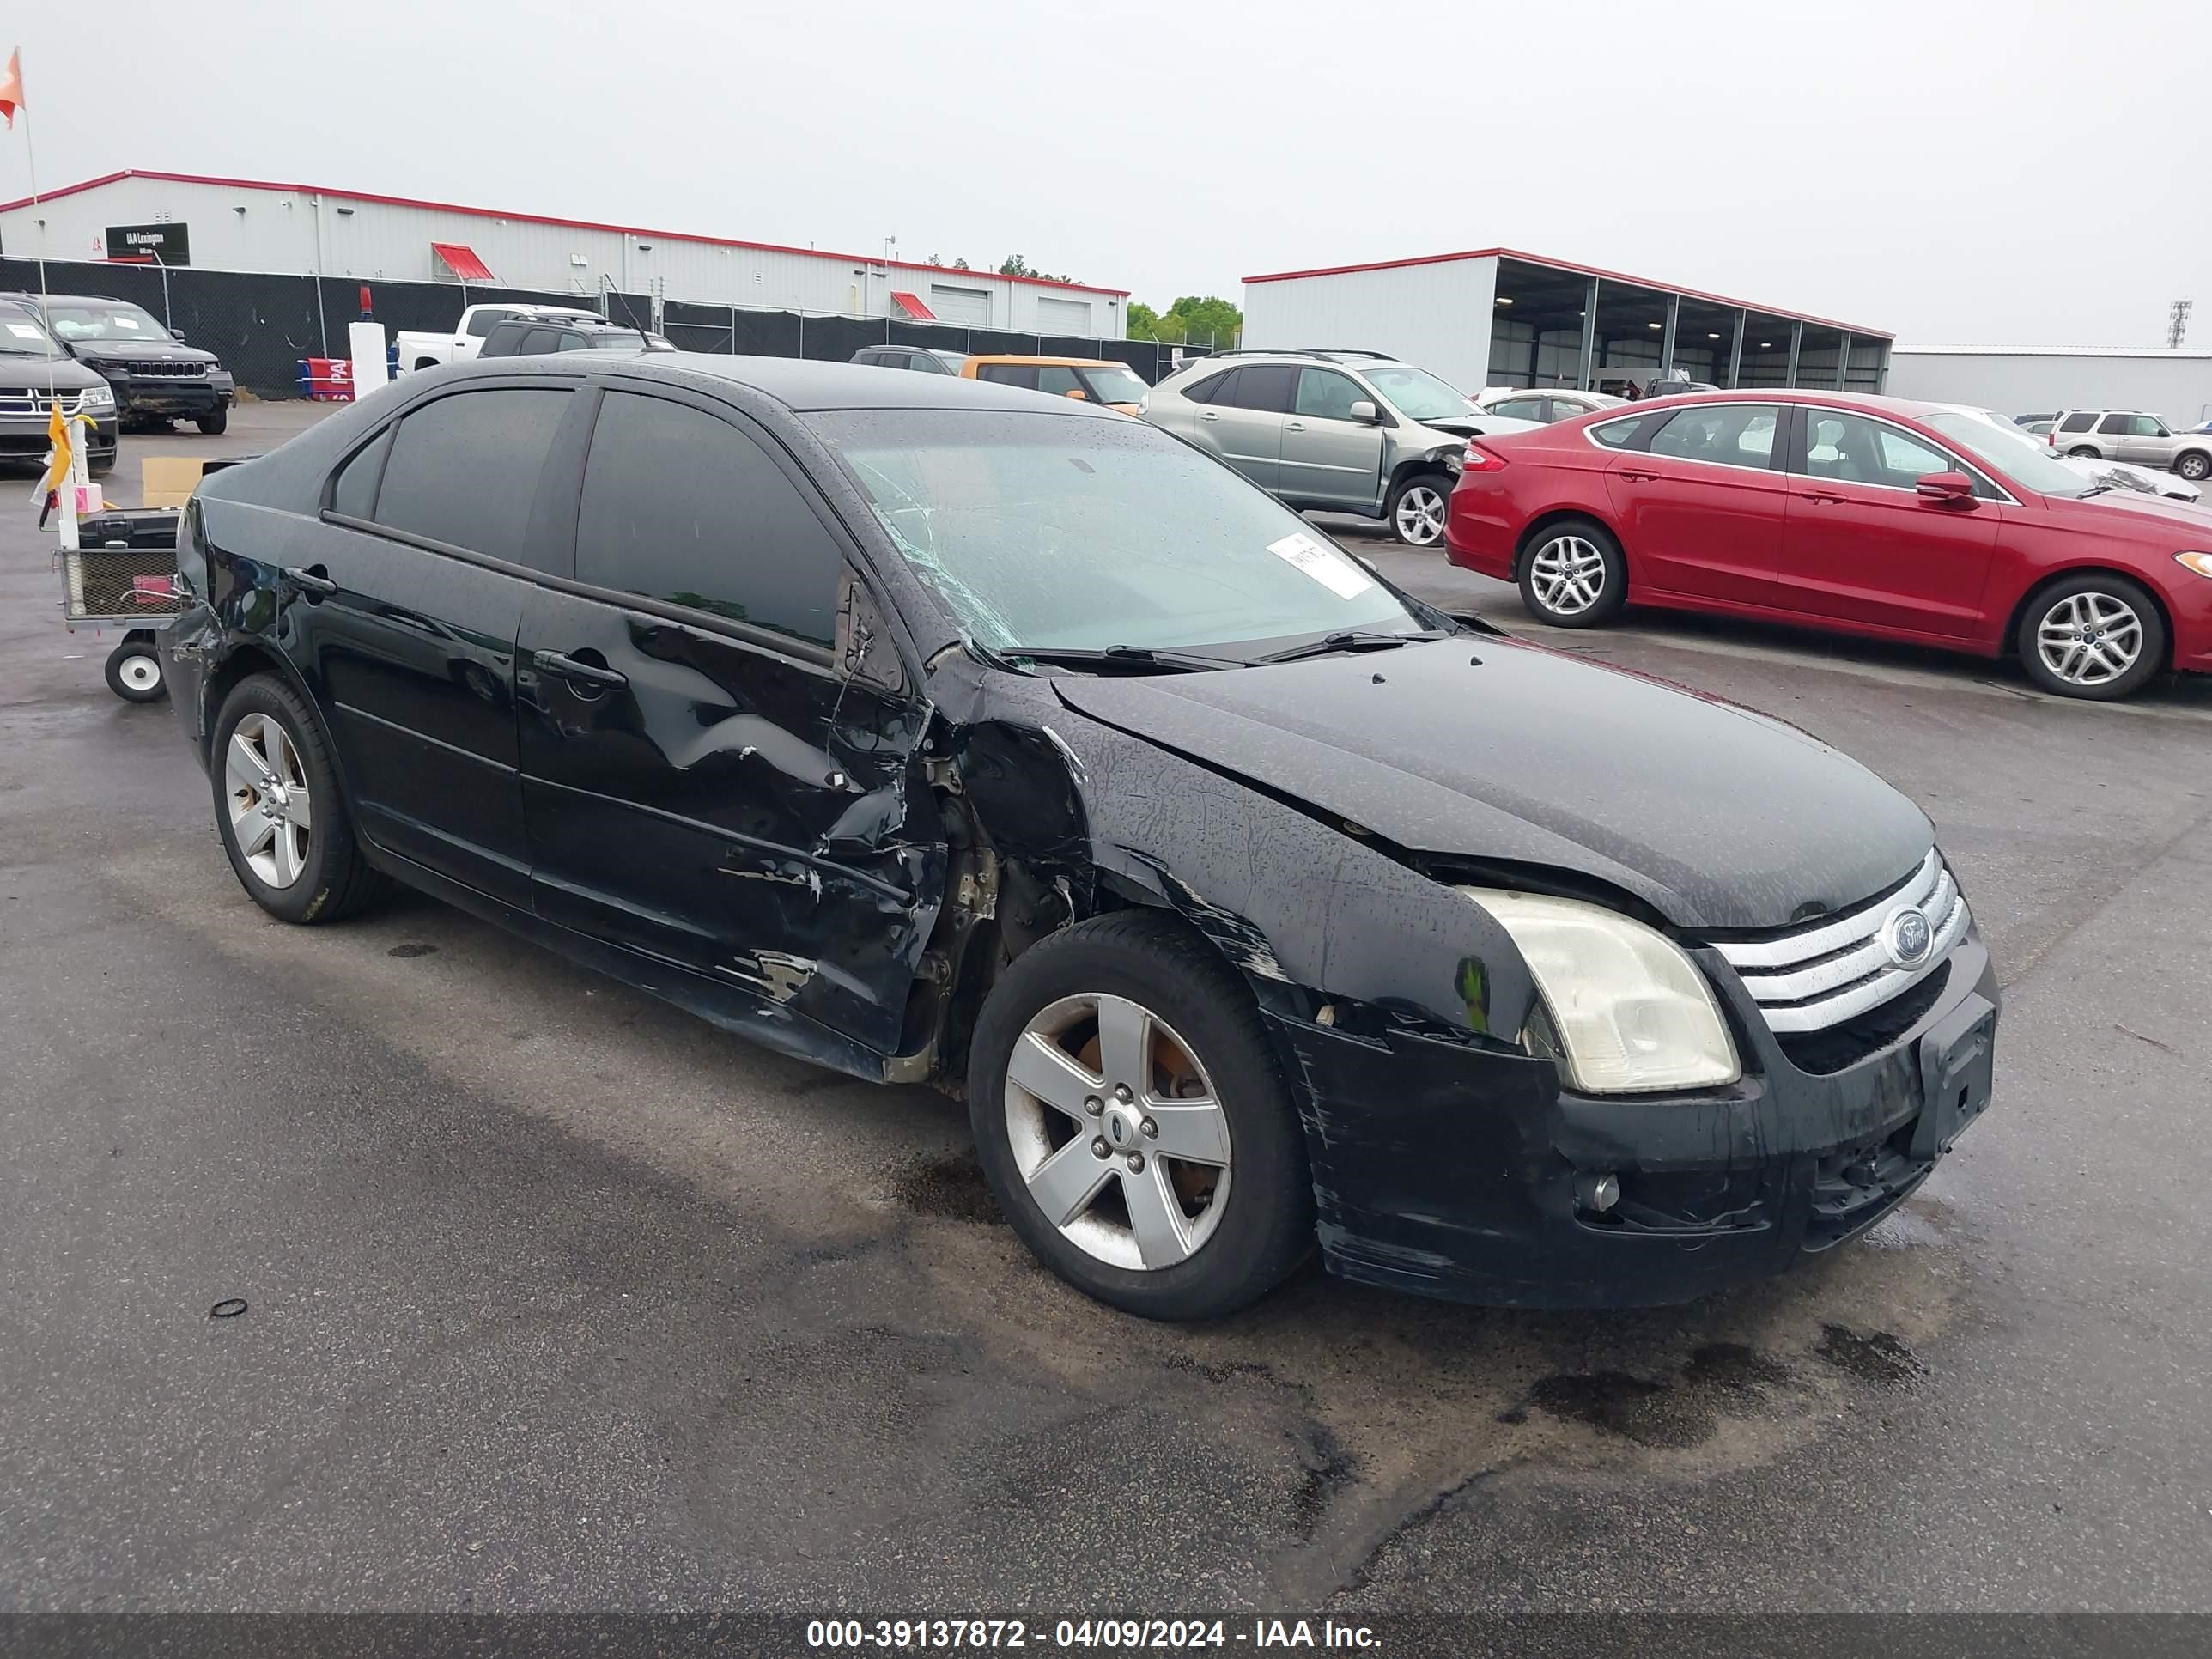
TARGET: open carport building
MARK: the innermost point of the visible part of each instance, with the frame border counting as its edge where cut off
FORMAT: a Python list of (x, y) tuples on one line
[(1493, 317)]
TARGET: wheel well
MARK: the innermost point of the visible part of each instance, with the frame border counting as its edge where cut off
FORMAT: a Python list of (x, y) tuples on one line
[(2194, 449), (1414, 467), (2010, 644), (1543, 521), (242, 664)]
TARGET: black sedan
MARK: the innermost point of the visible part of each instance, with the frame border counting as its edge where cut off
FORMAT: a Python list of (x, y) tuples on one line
[(944, 732)]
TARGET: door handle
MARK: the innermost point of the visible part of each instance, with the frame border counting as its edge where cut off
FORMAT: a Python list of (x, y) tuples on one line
[(1635, 476), (578, 673), (309, 581), (1208, 414), (1823, 495), (1294, 426)]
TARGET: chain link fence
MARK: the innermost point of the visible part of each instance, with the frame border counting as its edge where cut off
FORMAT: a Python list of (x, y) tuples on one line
[(261, 325)]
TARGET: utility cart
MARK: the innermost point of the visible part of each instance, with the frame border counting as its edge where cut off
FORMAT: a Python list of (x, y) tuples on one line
[(122, 574)]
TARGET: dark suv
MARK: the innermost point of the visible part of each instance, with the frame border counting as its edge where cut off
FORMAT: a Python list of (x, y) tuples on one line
[(537, 336), (934, 729), (157, 377)]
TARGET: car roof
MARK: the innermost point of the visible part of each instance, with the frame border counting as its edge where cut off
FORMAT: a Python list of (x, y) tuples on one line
[(24, 296), (1045, 362), (801, 384), (1909, 408)]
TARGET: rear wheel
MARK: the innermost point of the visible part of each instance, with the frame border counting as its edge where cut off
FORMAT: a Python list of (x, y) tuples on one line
[(2096, 636), (1417, 508), (1573, 575), (2083, 453), (279, 811), (1133, 1124)]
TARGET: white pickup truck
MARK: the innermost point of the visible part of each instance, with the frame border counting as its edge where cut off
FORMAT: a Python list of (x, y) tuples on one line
[(418, 349)]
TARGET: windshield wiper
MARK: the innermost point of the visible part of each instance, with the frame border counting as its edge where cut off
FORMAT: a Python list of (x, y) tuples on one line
[(1134, 656), (2096, 489), (1347, 641)]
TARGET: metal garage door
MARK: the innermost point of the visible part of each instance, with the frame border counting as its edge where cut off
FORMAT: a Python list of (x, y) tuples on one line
[(969, 307), (1064, 317)]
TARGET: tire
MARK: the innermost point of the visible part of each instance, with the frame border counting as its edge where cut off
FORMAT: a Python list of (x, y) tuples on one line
[(98, 466), (2083, 453), (134, 672), (1256, 1223), (1418, 507), (315, 875), (214, 425), (1557, 568), (2193, 465), (2071, 631)]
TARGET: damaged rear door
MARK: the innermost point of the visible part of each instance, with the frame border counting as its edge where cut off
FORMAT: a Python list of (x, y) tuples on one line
[(704, 782)]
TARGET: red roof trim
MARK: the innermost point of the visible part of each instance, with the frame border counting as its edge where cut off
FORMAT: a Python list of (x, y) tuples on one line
[(539, 219), (461, 260), (913, 307), (1580, 270)]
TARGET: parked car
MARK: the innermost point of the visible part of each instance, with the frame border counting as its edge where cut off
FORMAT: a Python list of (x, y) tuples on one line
[(2036, 426), (2130, 435), (1086, 380), (926, 360), (1544, 405), (533, 337), (1861, 514), (932, 731), (418, 349), (155, 376), (2118, 475), (2030, 420), (1334, 431), (35, 373)]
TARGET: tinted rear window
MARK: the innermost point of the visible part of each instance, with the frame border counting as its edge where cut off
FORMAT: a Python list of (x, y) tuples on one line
[(463, 470), (2078, 422)]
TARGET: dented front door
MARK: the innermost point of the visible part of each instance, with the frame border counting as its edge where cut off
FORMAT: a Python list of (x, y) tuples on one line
[(727, 809)]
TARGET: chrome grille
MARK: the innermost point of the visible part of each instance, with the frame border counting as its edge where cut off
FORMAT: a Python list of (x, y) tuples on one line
[(37, 400), (1809, 978)]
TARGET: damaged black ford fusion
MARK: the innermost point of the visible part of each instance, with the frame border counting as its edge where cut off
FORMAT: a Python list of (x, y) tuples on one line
[(941, 732)]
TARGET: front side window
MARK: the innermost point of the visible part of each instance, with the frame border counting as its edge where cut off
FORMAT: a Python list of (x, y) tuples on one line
[(2147, 426), (1048, 533), (1728, 434), (463, 470), (1853, 449), (1115, 384), (1328, 396), (1022, 375), (682, 506), (1059, 380)]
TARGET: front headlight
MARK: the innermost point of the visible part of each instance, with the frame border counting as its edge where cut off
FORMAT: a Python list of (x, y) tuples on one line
[(1627, 1011), (2200, 562), (98, 396)]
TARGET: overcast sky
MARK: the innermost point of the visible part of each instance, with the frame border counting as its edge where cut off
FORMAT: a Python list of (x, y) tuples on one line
[(1945, 171)]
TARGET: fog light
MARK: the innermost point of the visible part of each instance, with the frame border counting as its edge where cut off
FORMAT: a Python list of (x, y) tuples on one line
[(1598, 1193)]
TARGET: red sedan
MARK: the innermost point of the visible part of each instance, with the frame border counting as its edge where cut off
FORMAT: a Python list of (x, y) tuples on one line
[(1923, 522)]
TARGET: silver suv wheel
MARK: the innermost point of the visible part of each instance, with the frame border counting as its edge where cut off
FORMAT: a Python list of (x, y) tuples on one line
[(1420, 516), (1117, 1131)]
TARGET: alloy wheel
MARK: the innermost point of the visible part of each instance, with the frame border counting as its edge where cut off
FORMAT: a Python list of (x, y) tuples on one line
[(1117, 1132), (2089, 639), (271, 814), (1568, 574), (1420, 517)]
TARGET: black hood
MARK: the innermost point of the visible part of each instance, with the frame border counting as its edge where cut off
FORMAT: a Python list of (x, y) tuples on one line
[(1715, 815), (140, 351)]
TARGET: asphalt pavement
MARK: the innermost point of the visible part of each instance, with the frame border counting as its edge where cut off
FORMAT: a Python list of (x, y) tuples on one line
[(557, 1298)]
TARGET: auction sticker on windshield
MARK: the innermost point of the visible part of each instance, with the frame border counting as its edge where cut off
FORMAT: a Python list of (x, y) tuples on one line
[(1325, 566)]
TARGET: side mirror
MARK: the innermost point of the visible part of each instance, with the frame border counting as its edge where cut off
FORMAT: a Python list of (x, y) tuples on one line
[(1079, 394), (1362, 409), (1945, 488)]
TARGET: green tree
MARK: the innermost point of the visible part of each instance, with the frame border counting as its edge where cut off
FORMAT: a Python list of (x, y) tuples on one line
[(1014, 265), (1207, 321), (1141, 320)]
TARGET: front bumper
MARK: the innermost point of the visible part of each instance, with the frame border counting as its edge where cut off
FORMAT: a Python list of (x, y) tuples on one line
[(2189, 604), (24, 437), (159, 395), (1452, 1170)]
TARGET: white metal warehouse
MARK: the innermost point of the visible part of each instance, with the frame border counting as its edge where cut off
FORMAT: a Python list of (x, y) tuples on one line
[(243, 224), (1495, 316), (2043, 379)]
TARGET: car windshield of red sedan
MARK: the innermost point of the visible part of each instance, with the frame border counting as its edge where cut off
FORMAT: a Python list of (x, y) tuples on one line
[(1054, 532), (2024, 460)]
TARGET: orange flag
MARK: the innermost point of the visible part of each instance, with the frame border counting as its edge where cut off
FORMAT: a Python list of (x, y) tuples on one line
[(11, 88)]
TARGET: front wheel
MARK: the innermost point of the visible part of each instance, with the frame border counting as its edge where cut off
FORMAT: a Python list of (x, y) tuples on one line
[(2097, 635), (1133, 1124), (134, 672), (2194, 465), (1417, 508), (278, 809), (1574, 575), (214, 425)]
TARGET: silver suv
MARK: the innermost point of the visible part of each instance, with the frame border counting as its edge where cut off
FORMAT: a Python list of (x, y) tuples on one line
[(2119, 435), (1331, 431)]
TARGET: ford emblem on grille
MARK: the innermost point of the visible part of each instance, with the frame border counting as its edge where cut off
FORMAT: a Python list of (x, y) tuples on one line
[(1907, 937)]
